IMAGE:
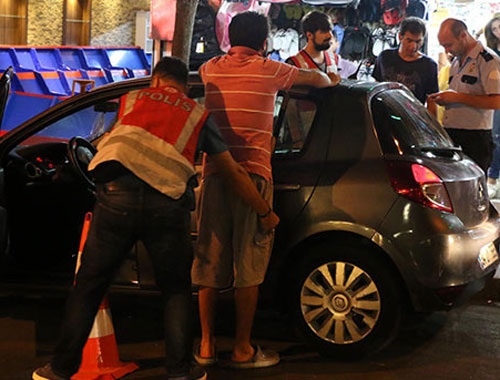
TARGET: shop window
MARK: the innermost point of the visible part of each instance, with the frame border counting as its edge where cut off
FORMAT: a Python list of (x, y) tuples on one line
[(76, 26), (13, 22)]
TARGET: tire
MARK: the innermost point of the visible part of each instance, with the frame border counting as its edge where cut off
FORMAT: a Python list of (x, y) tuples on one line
[(346, 301)]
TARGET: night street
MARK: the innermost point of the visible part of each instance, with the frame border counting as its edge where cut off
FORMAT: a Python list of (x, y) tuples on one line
[(459, 345), (321, 178)]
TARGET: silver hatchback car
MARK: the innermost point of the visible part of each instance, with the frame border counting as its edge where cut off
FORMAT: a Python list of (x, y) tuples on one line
[(380, 214)]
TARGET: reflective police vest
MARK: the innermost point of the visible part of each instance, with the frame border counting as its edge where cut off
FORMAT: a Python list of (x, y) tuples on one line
[(155, 137), (304, 61)]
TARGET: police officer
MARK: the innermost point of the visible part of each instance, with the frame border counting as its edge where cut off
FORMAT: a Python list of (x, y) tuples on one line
[(143, 170), (316, 55), (474, 91)]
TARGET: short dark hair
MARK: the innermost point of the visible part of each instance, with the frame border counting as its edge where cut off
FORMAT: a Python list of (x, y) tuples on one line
[(491, 40), (457, 27), (249, 29), (172, 68), (315, 20), (414, 25)]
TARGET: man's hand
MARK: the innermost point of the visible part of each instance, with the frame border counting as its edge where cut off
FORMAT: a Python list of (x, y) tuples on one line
[(269, 223), (431, 106), (334, 78), (445, 97), (486, 102)]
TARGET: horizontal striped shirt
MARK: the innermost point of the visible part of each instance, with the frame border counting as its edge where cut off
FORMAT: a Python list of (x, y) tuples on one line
[(240, 93)]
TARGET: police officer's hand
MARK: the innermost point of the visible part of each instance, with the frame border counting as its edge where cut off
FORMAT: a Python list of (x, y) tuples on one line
[(269, 223), (445, 97), (334, 78)]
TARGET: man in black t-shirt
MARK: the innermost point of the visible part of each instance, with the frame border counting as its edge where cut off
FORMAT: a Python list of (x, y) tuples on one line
[(406, 64)]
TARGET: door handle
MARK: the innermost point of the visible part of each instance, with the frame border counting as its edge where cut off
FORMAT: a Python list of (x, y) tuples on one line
[(287, 187)]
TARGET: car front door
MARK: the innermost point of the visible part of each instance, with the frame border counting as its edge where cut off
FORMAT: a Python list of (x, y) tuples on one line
[(5, 82)]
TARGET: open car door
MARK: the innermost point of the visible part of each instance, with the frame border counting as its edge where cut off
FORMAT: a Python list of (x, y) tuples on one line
[(5, 82)]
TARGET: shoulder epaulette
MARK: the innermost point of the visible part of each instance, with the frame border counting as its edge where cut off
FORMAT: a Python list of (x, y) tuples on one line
[(487, 56)]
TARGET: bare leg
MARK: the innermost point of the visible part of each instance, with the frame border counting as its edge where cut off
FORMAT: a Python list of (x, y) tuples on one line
[(207, 298), (246, 304)]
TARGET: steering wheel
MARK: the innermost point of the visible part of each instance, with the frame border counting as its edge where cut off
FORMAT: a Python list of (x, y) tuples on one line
[(80, 153)]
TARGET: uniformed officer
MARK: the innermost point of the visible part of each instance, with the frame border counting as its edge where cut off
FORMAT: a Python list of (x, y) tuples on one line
[(474, 91)]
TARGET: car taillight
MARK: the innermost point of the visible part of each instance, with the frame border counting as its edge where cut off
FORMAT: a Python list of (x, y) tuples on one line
[(420, 184)]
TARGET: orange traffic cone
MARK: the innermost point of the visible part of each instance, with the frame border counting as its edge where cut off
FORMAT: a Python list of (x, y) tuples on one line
[(100, 359)]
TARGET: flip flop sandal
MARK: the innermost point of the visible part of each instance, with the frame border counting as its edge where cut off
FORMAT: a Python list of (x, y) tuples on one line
[(260, 359), (205, 362)]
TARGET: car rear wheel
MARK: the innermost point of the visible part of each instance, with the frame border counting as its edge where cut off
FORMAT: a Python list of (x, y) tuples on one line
[(346, 302)]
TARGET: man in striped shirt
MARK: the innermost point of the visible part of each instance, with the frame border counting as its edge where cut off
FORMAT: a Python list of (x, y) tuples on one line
[(240, 92)]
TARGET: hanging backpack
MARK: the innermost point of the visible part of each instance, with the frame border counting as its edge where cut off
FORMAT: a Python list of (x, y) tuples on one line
[(394, 11), (369, 10), (418, 8), (355, 43), (204, 44)]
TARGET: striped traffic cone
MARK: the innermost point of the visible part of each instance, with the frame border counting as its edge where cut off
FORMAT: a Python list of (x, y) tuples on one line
[(100, 359)]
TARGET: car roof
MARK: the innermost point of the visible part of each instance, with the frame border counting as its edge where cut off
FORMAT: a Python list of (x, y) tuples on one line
[(351, 87)]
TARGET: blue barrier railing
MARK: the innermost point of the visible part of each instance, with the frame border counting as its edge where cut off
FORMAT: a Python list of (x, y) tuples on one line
[(45, 74), (54, 68)]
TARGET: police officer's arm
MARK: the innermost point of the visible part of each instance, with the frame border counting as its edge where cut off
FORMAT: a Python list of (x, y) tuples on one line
[(307, 77), (477, 101), (211, 142), (242, 184)]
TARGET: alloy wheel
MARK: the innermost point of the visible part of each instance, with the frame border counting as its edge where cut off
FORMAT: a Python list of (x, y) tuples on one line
[(340, 302)]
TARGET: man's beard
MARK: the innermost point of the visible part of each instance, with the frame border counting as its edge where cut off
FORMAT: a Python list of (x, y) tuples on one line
[(324, 46)]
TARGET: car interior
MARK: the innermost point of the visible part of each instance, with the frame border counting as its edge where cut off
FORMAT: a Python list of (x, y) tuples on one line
[(47, 191)]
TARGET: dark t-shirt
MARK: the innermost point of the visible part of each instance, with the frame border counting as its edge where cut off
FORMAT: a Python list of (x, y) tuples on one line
[(420, 76), (210, 141)]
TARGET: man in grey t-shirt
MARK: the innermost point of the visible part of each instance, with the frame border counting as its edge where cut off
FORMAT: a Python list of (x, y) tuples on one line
[(474, 91)]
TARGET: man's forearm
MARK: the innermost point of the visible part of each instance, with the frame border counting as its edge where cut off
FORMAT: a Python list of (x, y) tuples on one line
[(313, 78), (245, 188), (479, 101)]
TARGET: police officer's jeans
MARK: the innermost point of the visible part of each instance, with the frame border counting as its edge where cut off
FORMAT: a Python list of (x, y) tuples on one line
[(128, 210), (494, 170)]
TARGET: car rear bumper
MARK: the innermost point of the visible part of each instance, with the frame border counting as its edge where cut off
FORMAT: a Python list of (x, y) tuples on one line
[(438, 256)]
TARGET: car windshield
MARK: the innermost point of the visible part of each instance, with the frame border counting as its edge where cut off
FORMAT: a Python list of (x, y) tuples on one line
[(404, 125), (89, 123)]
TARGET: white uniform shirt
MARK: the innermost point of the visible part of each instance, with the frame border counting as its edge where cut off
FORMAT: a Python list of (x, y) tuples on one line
[(479, 75)]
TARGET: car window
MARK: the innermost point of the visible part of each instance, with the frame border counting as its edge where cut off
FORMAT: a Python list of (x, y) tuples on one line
[(293, 123), (404, 124), (89, 123)]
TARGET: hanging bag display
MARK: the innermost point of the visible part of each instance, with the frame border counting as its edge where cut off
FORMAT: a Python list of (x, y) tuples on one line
[(228, 10), (394, 11)]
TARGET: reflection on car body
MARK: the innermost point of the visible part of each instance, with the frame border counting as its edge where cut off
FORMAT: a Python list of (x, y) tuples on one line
[(380, 213)]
